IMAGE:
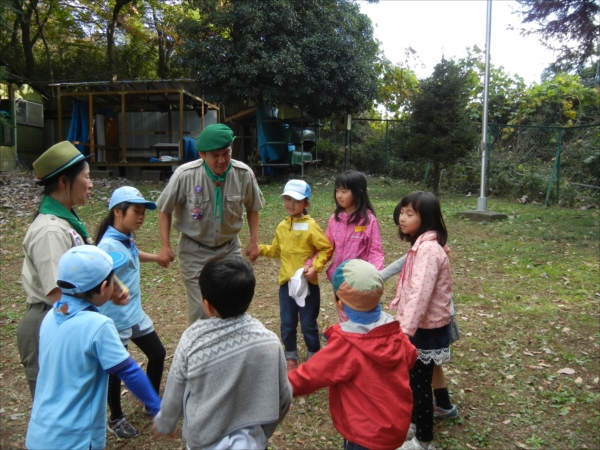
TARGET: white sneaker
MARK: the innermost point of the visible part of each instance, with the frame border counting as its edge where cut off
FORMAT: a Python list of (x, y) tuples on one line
[(415, 444)]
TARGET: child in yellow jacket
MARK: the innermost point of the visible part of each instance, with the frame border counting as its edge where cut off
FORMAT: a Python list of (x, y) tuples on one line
[(297, 239)]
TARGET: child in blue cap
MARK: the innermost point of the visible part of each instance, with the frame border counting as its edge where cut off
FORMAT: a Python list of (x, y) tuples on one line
[(127, 210), (79, 348), (365, 364)]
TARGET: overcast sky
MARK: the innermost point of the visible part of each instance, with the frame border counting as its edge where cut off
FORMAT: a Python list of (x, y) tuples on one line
[(447, 27)]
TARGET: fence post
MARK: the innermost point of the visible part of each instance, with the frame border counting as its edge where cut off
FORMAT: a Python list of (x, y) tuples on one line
[(426, 172), (387, 128), (555, 167)]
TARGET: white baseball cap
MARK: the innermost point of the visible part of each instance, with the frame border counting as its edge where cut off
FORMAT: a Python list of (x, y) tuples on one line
[(86, 266), (297, 189)]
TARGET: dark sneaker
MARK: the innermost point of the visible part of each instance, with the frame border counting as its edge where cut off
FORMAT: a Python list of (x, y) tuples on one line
[(121, 428), (291, 364)]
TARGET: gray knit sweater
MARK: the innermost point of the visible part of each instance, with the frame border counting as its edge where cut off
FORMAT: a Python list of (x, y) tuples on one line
[(226, 374)]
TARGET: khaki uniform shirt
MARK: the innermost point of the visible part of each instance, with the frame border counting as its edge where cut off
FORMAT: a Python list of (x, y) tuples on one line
[(47, 239), (190, 198)]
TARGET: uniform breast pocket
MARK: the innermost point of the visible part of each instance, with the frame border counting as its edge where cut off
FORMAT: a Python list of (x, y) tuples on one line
[(197, 205), (233, 206)]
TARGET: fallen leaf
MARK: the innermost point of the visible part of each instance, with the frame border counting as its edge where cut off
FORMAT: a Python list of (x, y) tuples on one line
[(578, 380), (566, 371), (506, 422)]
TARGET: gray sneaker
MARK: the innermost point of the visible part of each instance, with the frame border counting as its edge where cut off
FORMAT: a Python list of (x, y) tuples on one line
[(121, 428)]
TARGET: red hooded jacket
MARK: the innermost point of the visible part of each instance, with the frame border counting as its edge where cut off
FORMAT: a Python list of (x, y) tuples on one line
[(370, 400)]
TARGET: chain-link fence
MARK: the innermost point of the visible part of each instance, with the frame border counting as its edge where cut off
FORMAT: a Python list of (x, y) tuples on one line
[(546, 164), (550, 164)]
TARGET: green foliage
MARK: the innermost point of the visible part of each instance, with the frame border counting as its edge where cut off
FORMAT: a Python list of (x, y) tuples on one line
[(441, 130), (503, 93), (562, 100), (330, 154), (570, 27), (316, 54), (397, 86)]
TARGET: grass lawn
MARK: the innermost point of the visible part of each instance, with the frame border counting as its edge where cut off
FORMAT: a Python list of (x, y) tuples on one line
[(525, 373)]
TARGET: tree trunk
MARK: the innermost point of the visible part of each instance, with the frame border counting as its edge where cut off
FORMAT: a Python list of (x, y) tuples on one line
[(24, 17), (110, 36)]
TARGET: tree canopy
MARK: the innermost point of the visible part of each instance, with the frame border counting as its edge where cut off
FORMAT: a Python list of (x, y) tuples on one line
[(319, 55), (441, 130), (570, 27)]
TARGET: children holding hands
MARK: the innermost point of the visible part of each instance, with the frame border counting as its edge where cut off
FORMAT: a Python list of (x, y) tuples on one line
[(297, 238), (127, 209), (79, 348), (353, 229), (423, 299), (228, 377), (365, 364)]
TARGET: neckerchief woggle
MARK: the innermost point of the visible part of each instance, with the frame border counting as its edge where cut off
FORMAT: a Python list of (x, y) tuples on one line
[(217, 180), (55, 208)]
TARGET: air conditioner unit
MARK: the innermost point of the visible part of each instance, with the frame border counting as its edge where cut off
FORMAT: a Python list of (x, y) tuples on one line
[(29, 113)]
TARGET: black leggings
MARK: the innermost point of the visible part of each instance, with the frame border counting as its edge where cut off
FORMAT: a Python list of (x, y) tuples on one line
[(151, 346), (422, 415)]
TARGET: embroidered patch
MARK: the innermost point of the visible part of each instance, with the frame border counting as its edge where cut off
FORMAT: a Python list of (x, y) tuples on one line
[(359, 229), (198, 189), (197, 213)]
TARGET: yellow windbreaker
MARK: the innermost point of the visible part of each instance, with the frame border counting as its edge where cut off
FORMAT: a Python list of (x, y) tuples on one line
[(296, 240)]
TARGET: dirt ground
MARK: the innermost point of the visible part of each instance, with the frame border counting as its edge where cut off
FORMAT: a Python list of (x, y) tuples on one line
[(526, 291)]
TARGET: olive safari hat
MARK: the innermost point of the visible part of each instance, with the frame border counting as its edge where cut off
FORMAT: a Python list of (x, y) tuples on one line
[(55, 160)]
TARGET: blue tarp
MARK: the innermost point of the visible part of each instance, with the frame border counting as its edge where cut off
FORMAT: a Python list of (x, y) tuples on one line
[(189, 149), (80, 125), (270, 132)]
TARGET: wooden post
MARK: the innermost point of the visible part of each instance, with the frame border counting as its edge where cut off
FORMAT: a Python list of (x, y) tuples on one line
[(123, 126), (60, 129), (180, 123), (91, 113)]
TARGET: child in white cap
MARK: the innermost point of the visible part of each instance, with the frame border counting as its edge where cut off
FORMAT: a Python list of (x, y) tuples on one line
[(79, 348), (127, 209), (365, 364), (297, 238)]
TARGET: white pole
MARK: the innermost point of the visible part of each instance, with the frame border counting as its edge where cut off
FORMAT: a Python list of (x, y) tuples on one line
[(482, 200)]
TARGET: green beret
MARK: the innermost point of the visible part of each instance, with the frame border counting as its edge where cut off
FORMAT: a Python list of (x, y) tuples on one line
[(214, 137)]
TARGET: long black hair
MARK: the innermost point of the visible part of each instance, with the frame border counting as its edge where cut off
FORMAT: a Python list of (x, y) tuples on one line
[(110, 219), (356, 182), (429, 210)]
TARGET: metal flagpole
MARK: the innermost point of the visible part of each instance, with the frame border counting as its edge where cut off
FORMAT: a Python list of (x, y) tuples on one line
[(482, 200)]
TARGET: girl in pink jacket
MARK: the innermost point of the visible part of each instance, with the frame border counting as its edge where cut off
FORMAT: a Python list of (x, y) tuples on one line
[(422, 300), (352, 228)]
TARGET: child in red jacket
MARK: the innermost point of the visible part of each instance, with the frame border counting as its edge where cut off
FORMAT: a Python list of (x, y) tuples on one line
[(365, 364)]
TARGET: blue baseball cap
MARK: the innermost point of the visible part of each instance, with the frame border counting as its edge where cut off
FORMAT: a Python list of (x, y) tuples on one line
[(86, 266), (297, 189), (131, 195)]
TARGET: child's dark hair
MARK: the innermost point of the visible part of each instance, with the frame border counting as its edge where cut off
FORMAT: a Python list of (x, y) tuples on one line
[(428, 207), (110, 219), (227, 283), (356, 182), (88, 295)]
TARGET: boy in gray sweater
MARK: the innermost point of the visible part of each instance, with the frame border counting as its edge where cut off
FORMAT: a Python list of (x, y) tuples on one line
[(229, 376)]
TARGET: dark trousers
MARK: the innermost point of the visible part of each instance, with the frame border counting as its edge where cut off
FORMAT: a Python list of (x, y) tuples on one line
[(151, 346), (289, 312), (352, 446), (422, 415)]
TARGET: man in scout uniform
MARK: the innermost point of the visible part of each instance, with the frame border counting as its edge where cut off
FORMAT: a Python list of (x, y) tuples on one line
[(205, 201)]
